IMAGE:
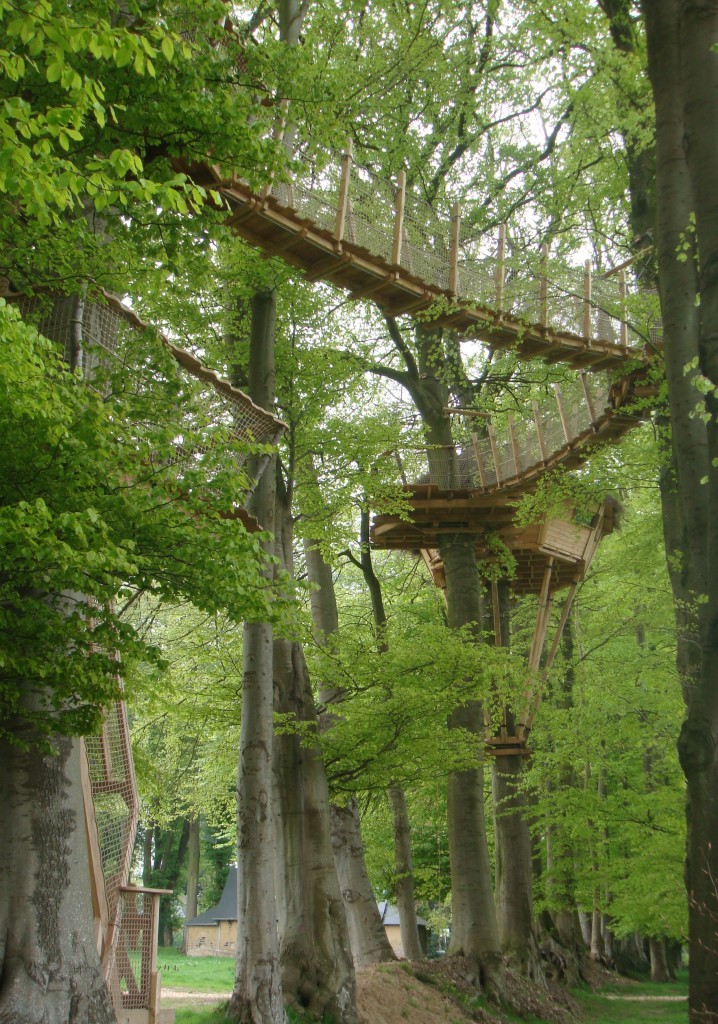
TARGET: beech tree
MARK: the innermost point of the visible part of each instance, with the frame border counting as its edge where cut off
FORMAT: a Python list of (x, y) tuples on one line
[(683, 68), (82, 98)]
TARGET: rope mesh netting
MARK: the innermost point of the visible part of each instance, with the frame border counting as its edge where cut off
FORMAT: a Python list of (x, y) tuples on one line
[(476, 462), (534, 291), (111, 337)]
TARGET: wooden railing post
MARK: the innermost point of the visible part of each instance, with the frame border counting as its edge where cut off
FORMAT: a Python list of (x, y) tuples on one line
[(543, 287), (454, 249), (622, 294), (587, 299), (343, 192), (539, 431), (500, 268), (399, 218), (562, 412), (514, 447), (587, 396)]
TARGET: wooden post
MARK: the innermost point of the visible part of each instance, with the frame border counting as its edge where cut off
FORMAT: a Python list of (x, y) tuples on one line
[(454, 249), (622, 293), (399, 218), (498, 642), (537, 641), (343, 192), (543, 287), (535, 700), (100, 911), (495, 453), (562, 412), (479, 460), (500, 268), (514, 446), (539, 431), (587, 396), (587, 300)]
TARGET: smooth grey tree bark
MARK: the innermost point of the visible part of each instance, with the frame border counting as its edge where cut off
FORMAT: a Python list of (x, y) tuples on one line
[(257, 994), (514, 869), (193, 855), (368, 940), (50, 969), (315, 950), (681, 39), (404, 873), (475, 932)]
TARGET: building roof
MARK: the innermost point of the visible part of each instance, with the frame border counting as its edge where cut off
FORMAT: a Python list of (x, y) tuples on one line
[(226, 909), (389, 914)]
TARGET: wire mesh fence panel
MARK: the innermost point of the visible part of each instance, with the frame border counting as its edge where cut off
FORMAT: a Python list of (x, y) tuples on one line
[(477, 281), (114, 794), (133, 964), (370, 217), (119, 351)]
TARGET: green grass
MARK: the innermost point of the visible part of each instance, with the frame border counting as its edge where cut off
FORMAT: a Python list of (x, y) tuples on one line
[(216, 974), (201, 1017), (195, 973), (599, 1009)]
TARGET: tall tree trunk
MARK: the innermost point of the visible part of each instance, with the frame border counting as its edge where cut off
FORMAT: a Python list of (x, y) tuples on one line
[(367, 935), (257, 995), (474, 926), (659, 962), (316, 960), (49, 965), (514, 902), (408, 925), (684, 76), (514, 875), (193, 852)]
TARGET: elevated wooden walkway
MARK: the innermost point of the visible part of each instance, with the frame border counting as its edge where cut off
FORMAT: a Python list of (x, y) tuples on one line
[(472, 488), (362, 234)]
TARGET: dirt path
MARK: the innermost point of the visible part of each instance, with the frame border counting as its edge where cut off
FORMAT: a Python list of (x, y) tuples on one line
[(174, 997), (647, 999)]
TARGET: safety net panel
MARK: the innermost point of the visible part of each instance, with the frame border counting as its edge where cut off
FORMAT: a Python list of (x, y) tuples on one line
[(134, 954), (114, 796), (104, 337)]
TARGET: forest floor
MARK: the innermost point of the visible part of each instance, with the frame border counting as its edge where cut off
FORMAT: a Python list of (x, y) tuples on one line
[(443, 992)]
